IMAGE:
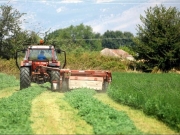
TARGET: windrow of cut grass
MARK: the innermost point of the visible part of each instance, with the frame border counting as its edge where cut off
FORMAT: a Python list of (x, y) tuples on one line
[(104, 119), (156, 94), (7, 81), (16, 109)]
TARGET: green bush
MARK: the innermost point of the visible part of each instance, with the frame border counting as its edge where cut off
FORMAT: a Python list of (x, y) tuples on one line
[(155, 94), (78, 60), (105, 120), (93, 60)]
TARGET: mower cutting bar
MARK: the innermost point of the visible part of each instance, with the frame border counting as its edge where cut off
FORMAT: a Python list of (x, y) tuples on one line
[(93, 79), (88, 73), (92, 73), (84, 78)]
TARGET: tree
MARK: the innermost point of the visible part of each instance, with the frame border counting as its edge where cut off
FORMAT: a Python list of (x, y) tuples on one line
[(75, 37), (116, 39), (9, 28), (158, 38)]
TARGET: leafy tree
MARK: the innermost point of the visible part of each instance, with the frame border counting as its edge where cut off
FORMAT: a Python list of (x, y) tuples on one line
[(75, 37), (9, 28), (128, 39), (158, 39), (116, 39)]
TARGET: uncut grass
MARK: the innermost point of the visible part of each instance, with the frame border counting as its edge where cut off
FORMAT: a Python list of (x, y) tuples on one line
[(15, 111), (147, 124), (9, 67), (156, 94), (104, 119)]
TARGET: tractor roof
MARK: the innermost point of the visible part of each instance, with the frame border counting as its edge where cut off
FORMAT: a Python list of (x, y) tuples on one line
[(41, 47)]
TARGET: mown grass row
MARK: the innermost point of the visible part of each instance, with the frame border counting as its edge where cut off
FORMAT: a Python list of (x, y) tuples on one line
[(156, 94), (7, 81), (104, 120), (16, 110)]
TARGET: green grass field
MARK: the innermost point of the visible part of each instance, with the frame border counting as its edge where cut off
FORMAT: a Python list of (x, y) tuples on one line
[(156, 94)]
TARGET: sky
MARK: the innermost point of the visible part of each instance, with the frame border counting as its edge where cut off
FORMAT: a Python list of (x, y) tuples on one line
[(101, 15)]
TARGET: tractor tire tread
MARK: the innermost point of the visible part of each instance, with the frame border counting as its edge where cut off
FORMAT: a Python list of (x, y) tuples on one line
[(25, 79)]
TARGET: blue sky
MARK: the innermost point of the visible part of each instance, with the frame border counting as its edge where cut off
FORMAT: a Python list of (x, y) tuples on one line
[(101, 15)]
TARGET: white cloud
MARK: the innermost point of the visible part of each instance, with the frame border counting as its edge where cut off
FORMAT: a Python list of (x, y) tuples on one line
[(60, 9), (127, 20), (104, 1), (103, 10), (71, 1), (105, 15)]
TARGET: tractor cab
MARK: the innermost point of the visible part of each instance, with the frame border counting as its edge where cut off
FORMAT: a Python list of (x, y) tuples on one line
[(41, 53)]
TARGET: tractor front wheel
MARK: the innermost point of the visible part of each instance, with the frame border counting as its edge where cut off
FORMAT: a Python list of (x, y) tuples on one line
[(25, 80)]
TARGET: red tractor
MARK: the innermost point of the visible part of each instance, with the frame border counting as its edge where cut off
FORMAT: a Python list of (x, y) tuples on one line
[(41, 65)]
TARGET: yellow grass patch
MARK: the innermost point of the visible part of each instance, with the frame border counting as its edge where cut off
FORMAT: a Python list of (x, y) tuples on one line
[(6, 92), (52, 115), (143, 122)]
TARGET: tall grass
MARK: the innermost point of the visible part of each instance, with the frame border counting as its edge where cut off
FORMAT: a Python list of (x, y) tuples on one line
[(9, 67), (93, 60), (156, 94)]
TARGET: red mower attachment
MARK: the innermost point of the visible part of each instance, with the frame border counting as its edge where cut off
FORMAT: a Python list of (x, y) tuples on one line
[(73, 79), (93, 79)]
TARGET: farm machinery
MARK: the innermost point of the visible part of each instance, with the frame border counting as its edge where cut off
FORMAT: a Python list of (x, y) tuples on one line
[(41, 65)]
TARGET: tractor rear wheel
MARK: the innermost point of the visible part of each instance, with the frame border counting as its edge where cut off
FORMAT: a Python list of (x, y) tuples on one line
[(55, 77), (25, 80)]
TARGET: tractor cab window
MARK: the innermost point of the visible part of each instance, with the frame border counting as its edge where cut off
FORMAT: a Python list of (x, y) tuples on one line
[(36, 54), (55, 55)]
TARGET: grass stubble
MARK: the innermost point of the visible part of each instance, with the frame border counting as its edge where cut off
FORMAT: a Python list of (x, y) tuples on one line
[(51, 114)]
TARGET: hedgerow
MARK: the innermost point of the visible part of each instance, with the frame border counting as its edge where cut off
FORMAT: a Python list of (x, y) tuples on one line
[(155, 94), (16, 110), (7, 81), (105, 120)]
